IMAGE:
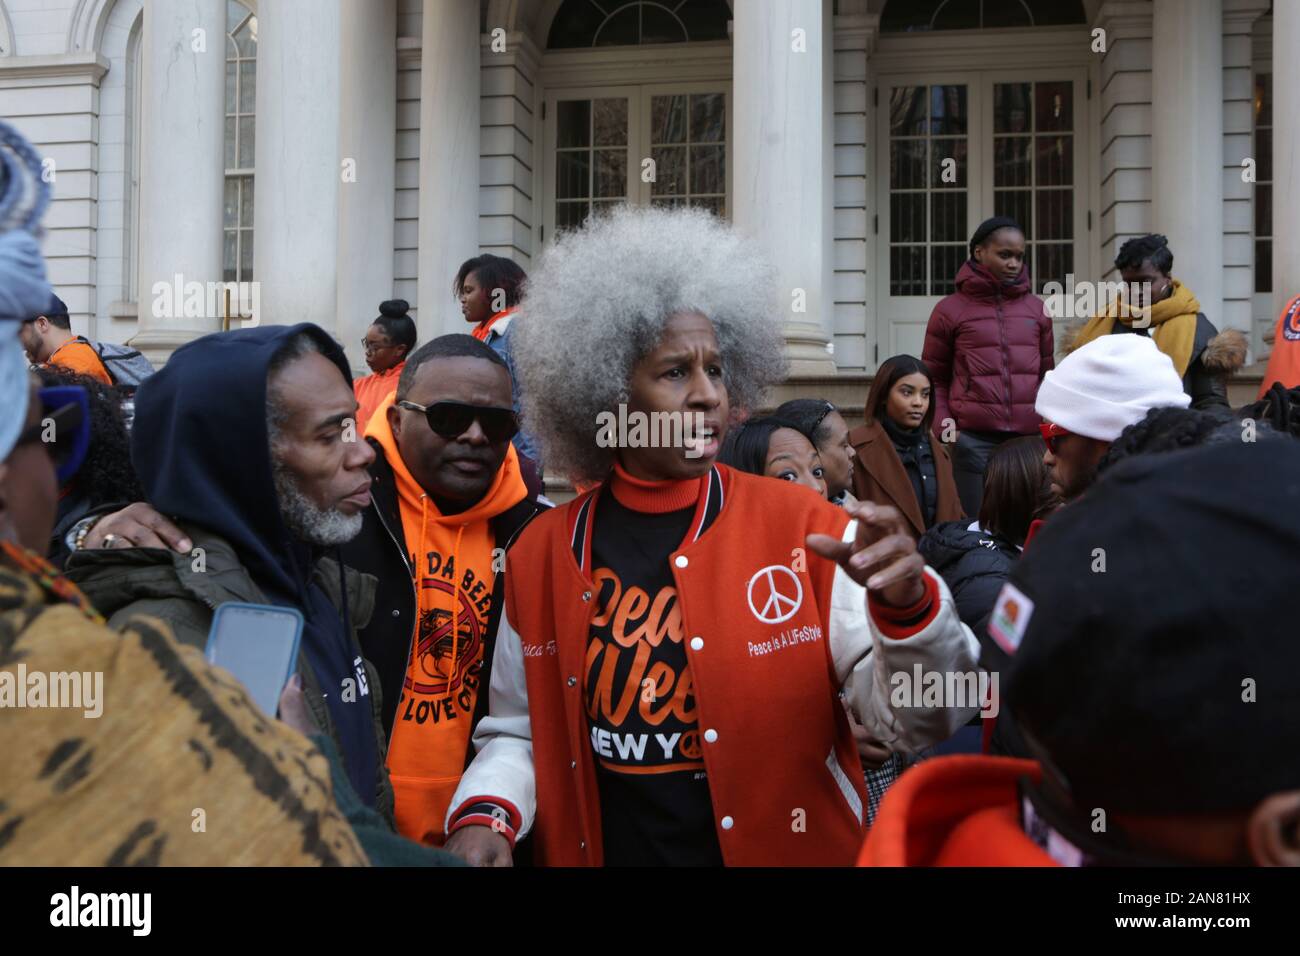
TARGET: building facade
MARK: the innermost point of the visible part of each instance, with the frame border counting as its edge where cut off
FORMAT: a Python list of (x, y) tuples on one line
[(335, 153)]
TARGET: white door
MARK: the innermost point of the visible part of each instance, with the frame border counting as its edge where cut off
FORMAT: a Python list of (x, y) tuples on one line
[(957, 149), (650, 143)]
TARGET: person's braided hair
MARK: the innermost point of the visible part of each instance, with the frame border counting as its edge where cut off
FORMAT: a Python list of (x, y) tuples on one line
[(1280, 408), (1164, 429), (106, 476)]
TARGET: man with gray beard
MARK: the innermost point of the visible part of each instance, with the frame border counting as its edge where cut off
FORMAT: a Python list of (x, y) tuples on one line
[(247, 441)]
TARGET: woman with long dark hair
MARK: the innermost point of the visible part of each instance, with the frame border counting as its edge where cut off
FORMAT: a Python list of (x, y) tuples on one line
[(899, 460), (988, 345)]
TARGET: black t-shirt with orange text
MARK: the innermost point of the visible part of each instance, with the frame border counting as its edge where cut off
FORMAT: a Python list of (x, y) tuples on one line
[(654, 794)]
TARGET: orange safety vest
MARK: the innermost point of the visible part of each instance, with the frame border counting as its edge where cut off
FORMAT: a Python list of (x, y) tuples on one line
[(783, 769)]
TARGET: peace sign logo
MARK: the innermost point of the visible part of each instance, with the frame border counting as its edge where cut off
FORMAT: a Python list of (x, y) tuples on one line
[(774, 594)]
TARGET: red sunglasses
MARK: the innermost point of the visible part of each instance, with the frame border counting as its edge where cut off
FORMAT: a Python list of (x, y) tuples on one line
[(1052, 435)]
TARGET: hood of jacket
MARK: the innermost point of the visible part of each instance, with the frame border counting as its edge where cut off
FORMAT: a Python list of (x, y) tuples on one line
[(955, 811), (978, 283), (946, 544), (201, 447)]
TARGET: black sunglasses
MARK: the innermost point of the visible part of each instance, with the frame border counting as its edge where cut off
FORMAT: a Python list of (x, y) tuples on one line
[(450, 420)]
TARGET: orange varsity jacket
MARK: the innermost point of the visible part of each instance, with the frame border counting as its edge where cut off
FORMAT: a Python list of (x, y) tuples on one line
[(774, 634)]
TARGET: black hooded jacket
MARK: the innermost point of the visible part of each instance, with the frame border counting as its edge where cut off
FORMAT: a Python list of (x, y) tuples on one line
[(200, 445), (974, 564)]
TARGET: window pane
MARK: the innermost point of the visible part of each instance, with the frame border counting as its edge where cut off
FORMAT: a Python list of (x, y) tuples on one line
[(1005, 14), (572, 175), (1054, 160), (944, 263), (611, 173), (230, 205), (246, 202), (670, 170), (667, 119), (1011, 161), (230, 87), (660, 26), (235, 13), (1263, 209), (622, 29), (230, 142), (1263, 265), (245, 258), (1053, 107), (573, 123), (907, 217), (947, 109), (907, 270), (610, 121), (1011, 108), (948, 216), (1016, 204), (1264, 99), (570, 215), (704, 19), (1263, 154), (957, 15), (708, 118), (229, 255), (942, 150), (1055, 262), (715, 204), (907, 164), (247, 86), (707, 172), (246, 142), (670, 201), (907, 111), (1055, 214)]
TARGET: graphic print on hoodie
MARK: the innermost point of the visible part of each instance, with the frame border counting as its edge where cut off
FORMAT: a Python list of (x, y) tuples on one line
[(201, 447), (452, 560)]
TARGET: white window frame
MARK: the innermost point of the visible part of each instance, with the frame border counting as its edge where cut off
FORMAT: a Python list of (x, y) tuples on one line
[(901, 320), (639, 116)]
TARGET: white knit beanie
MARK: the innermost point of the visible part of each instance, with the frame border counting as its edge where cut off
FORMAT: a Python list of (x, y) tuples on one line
[(1101, 388)]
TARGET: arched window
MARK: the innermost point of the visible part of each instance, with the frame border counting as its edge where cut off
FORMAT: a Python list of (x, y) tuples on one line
[(241, 97), (909, 16), (588, 23)]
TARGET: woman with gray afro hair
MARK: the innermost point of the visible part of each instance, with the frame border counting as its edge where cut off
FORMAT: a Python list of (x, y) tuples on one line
[(668, 646), (600, 300)]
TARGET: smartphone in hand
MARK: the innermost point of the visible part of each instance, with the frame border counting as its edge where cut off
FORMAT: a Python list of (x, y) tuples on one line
[(258, 643)]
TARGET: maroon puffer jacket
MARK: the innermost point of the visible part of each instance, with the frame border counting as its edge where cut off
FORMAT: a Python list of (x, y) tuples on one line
[(988, 347)]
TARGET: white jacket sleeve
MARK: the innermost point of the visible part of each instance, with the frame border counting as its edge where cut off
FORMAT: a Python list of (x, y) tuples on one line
[(879, 674), (503, 766)]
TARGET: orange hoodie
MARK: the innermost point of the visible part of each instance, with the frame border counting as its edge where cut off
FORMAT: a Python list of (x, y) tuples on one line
[(371, 390), (455, 570), (954, 811), (1284, 360)]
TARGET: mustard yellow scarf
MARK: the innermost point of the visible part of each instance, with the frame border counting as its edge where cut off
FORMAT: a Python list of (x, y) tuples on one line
[(1172, 324)]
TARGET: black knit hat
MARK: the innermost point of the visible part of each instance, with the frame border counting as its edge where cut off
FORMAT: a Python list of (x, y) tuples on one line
[(1170, 681)]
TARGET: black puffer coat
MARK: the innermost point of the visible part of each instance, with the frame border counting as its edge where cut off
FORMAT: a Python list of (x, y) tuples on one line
[(974, 564)]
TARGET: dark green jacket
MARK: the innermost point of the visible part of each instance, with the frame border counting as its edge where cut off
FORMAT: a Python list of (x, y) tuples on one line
[(184, 590)]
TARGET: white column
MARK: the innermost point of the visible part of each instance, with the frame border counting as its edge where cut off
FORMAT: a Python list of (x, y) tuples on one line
[(1187, 142), (297, 164), (781, 188), (368, 119), (449, 157), (1286, 152), (182, 173)]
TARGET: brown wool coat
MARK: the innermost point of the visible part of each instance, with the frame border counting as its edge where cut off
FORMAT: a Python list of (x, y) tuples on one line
[(879, 477)]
